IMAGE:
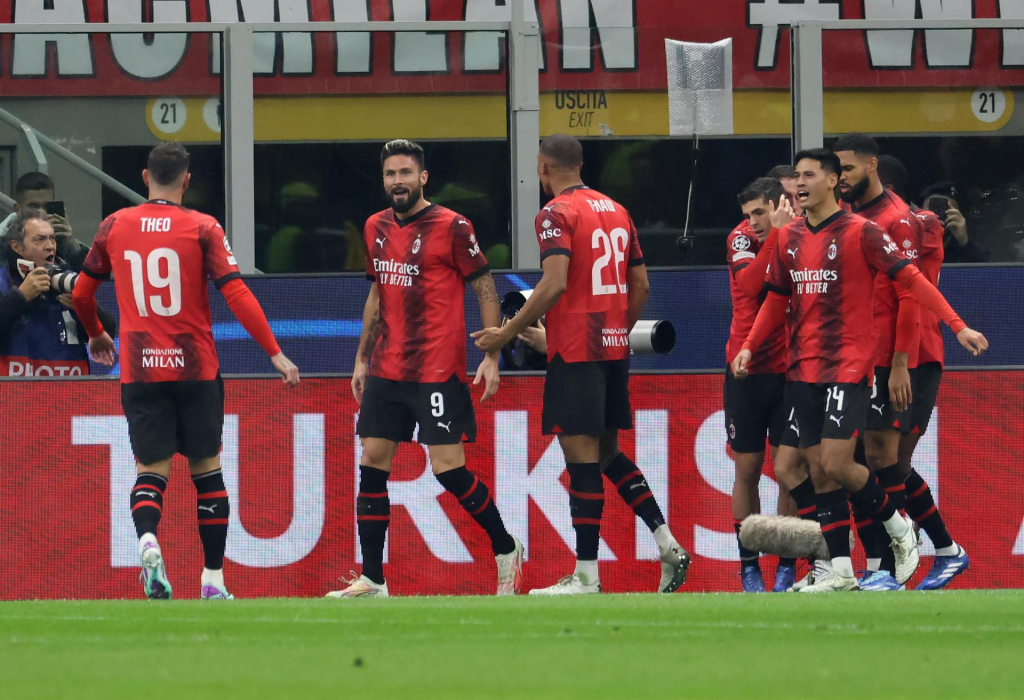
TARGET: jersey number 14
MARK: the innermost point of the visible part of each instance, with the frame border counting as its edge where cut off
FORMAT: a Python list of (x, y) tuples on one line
[(171, 281)]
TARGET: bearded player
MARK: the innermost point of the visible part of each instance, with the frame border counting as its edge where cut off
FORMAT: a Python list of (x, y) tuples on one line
[(162, 256), (592, 292), (410, 371), (824, 267)]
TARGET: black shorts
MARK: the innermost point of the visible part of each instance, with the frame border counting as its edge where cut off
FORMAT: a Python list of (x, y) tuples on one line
[(586, 398), (391, 410), (165, 418), (828, 411), (881, 414), (791, 431), (755, 409), (926, 380)]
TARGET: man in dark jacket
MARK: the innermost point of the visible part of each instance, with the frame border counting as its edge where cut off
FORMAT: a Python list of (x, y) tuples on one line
[(40, 336)]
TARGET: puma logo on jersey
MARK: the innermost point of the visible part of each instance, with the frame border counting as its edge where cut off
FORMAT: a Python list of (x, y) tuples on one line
[(447, 426), (837, 420), (878, 408), (380, 241), (792, 251), (905, 221)]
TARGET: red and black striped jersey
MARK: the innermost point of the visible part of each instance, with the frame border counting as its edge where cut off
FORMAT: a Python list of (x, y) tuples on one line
[(421, 266), (894, 217), (588, 322), (930, 256), (828, 272), (741, 248), (161, 256)]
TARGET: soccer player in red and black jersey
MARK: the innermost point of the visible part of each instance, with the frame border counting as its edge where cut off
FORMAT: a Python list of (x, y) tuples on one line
[(910, 490), (161, 256), (593, 290), (896, 316), (755, 407), (824, 266), (410, 369)]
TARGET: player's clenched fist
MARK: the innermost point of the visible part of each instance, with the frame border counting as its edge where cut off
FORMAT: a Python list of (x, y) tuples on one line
[(739, 364), (287, 369)]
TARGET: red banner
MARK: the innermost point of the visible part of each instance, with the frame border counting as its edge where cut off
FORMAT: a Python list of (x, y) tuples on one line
[(586, 46), (289, 459)]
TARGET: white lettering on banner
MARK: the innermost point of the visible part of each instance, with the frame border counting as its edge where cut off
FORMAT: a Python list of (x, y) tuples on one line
[(926, 463), (113, 432), (615, 28), (156, 56), (419, 497), (417, 52), (719, 471), (353, 48), (515, 483), (770, 15), (482, 50), (943, 48), (73, 52), (651, 433), (308, 495), (27, 369), (1013, 39), (296, 47)]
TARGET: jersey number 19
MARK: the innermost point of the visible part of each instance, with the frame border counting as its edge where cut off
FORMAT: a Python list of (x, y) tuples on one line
[(171, 281)]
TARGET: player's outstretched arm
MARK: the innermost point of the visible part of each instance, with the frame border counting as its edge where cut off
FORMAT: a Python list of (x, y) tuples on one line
[(639, 291), (250, 314), (931, 298), (367, 341), (771, 315), (545, 295), (490, 315)]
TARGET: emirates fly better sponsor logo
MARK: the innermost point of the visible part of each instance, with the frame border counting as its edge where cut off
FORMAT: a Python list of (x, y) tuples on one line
[(395, 273), (813, 281)]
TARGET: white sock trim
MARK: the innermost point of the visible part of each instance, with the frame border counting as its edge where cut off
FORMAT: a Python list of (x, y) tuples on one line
[(587, 571), (213, 577)]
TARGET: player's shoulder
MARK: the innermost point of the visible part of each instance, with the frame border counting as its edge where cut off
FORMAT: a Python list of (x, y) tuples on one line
[(449, 217), (742, 238)]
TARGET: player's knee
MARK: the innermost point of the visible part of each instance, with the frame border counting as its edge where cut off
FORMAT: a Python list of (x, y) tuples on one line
[(377, 454), (879, 450), (748, 467)]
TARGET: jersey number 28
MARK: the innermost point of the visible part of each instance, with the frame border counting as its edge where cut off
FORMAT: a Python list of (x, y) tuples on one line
[(614, 252), (171, 281)]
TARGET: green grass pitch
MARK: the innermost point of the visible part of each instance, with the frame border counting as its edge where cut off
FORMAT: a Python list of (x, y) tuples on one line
[(966, 644)]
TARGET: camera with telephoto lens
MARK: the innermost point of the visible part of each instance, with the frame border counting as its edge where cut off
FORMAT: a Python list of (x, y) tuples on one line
[(646, 338), (61, 281)]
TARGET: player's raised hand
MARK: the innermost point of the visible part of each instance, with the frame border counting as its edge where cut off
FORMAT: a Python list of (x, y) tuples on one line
[(975, 342), (489, 340), (900, 392), (359, 374), (289, 372), (488, 373), (782, 214), (739, 364), (102, 349)]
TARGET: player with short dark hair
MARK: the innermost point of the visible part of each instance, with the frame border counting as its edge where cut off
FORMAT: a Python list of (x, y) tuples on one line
[(786, 175), (593, 290), (755, 407), (823, 270), (410, 369), (161, 255), (896, 316)]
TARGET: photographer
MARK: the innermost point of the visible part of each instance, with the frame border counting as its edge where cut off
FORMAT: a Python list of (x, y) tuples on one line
[(40, 335), (940, 199), (34, 192)]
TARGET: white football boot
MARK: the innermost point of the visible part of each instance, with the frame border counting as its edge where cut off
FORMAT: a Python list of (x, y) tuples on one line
[(568, 585), (510, 570), (360, 587)]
